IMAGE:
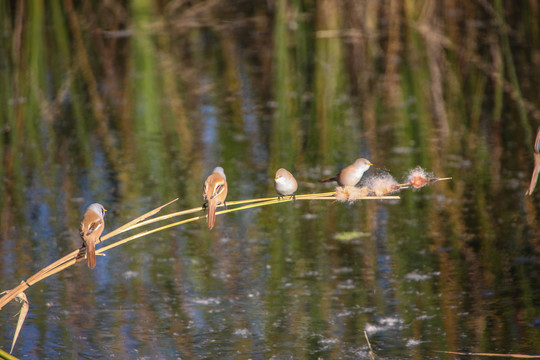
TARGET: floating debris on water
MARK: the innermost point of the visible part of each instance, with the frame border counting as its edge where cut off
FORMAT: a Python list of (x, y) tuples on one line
[(350, 235)]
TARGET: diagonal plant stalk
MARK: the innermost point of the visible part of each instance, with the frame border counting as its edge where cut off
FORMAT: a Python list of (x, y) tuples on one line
[(71, 258), (326, 196), (258, 203), (68, 260), (6, 356)]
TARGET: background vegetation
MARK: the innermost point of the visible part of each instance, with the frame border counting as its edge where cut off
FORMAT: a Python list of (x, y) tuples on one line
[(131, 103)]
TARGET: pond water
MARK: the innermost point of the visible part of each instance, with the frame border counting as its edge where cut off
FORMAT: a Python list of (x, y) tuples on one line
[(132, 105)]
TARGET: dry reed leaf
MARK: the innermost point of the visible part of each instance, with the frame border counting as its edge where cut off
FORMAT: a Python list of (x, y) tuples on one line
[(69, 259), (25, 305), (134, 222)]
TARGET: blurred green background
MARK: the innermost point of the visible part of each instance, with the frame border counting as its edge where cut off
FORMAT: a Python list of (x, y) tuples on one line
[(132, 103)]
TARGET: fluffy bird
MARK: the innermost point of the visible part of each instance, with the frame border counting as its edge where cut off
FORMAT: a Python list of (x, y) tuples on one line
[(285, 183), (90, 229), (351, 175), (214, 193)]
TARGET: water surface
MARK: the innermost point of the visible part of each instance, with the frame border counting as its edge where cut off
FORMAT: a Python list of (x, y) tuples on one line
[(132, 106)]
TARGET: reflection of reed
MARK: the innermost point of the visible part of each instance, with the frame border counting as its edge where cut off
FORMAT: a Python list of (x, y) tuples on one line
[(409, 36), (420, 82), (87, 72)]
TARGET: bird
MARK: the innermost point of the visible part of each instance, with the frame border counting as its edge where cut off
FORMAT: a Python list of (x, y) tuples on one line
[(351, 175), (214, 193), (285, 183), (92, 225), (534, 177)]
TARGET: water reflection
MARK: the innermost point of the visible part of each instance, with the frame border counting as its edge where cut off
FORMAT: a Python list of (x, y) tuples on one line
[(133, 122)]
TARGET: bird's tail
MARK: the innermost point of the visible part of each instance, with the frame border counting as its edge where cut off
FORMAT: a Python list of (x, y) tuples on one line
[(211, 217), (91, 254), (328, 179)]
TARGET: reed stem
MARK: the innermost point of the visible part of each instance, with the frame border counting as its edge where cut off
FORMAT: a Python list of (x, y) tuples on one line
[(71, 258)]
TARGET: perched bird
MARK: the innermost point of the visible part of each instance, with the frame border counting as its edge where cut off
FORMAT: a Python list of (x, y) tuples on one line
[(351, 175), (285, 183), (214, 193), (534, 177), (92, 225)]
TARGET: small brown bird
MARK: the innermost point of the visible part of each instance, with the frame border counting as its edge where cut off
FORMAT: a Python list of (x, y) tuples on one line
[(351, 175), (214, 193), (534, 177), (285, 183), (92, 225)]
